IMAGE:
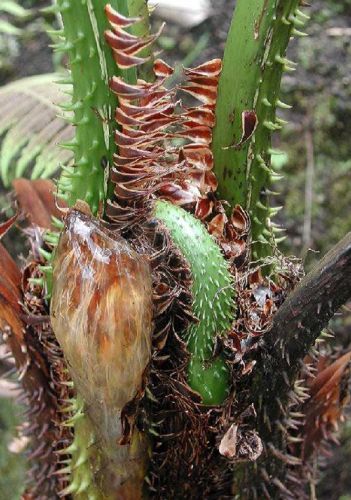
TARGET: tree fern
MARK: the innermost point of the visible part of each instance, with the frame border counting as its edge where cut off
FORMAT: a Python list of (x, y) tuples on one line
[(31, 128)]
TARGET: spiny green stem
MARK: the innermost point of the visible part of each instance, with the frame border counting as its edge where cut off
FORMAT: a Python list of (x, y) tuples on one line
[(91, 65), (254, 61), (259, 158), (238, 85), (82, 451), (213, 304)]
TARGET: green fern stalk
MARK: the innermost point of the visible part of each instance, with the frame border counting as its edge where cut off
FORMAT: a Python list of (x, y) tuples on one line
[(92, 65), (254, 61), (286, 24), (213, 296), (82, 450)]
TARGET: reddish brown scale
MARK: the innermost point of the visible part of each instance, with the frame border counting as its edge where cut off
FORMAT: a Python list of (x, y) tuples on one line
[(117, 19), (249, 123), (26, 332), (328, 390), (148, 116)]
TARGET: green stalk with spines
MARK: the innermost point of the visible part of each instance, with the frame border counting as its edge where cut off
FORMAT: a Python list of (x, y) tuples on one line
[(92, 65), (213, 300), (287, 23), (238, 85), (254, 61), (83, 454)]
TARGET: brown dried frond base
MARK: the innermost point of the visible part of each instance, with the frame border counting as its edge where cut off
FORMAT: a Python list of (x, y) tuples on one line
[(49, 437), (38, 363)]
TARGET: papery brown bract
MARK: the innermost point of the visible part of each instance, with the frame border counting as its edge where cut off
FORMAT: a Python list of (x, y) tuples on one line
[(37, 201), (324, 409), (101, 312), (149, 115)]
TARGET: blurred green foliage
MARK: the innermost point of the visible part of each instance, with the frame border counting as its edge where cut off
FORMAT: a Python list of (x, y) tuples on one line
[(11, 466), (320, 92)]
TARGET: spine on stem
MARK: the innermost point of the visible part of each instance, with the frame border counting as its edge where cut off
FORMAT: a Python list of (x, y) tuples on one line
[(254, 62)]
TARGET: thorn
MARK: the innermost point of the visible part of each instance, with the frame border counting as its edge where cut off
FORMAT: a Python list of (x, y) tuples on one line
[(285, 21), (262, 239), (51, 238), (269, 192), (301, 14), (276, 177), (57, 222), (277, 152), (296, 32), (71, 145), (296, 21), (72, 448), (271, 126), (46, 269), (266, 102), (284, 61), (257, 221), (64, 81), (62, 47), (278, 230), (280, 240), (262, 164), (54, 32), (64, 470), (282, 105), (274, 210), (72, 106), (47, 255), (260, 205)]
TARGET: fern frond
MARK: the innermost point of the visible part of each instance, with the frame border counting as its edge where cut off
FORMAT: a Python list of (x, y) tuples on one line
[(31, 129)]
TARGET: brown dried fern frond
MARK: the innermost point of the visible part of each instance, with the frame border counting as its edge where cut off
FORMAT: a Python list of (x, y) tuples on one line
[(40, 369)]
